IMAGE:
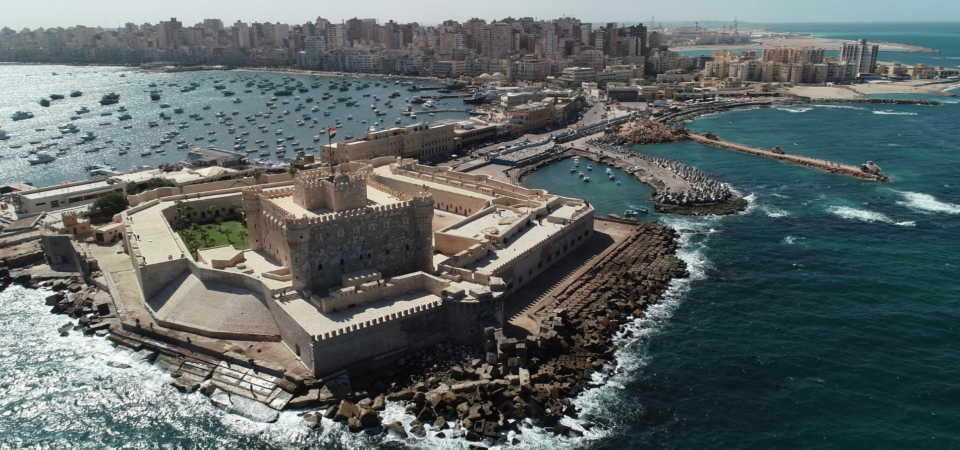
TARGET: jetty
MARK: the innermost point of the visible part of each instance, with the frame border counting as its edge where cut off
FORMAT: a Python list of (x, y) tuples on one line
[(427, 111), (867, 172)]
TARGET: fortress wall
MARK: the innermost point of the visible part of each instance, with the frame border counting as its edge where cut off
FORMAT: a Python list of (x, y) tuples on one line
[(524, 267), (463, 319), (443, 200), (450, 244), (214, 188), (371, 342), (348, 297), (155, 276), (199, 213), (291, 333)]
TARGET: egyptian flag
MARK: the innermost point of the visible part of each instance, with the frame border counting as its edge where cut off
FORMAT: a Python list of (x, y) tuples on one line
[(332, 131)]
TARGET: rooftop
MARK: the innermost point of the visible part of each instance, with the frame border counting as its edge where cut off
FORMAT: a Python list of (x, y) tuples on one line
[(317, 323), (67, 189), (374, 197)]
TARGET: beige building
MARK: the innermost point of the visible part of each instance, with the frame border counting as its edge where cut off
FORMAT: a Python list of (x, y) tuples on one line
[(412, 141)]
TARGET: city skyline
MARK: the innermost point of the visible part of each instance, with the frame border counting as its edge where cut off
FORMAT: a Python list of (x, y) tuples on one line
[(113, 13)]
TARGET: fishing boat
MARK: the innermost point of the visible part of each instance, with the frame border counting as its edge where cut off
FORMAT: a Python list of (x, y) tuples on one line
[(21, 115), (41, 158)]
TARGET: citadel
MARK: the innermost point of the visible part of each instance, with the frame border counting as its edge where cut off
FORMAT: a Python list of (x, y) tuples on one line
[(352, 266)]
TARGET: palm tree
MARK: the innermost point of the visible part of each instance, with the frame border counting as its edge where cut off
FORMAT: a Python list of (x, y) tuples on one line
[(243, 237), (292, 170), (256, 175), (211, 209), (219, 222)]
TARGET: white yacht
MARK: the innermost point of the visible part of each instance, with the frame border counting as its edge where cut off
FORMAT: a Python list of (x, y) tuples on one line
[(3, 135), (82, 110), (41, 158), (88, 136)]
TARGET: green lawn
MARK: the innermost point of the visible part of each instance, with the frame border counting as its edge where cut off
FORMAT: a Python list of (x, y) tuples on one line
[(219, 237)]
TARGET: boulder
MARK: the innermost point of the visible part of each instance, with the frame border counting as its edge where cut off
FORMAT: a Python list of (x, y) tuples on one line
[(354, 425), (417, 429), (396, 428), (184, 384), (345, 411), (307, 399), (368, 417), (379, 403), (313, 420)]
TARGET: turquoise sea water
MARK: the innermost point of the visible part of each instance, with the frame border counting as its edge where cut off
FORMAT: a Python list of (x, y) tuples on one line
[(23, 86), (824, 316)]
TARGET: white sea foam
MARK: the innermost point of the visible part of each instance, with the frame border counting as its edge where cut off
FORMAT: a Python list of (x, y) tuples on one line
[(795, 109), (776, 213), (863, 215), (895, 113), (751, 202), (927, 203), (839, 107), (790, 239)]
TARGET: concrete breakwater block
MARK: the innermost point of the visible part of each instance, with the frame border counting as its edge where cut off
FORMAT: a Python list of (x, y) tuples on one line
[(244, 407)]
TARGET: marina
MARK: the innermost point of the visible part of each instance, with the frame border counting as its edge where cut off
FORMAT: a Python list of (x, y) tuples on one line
[(145, 122)]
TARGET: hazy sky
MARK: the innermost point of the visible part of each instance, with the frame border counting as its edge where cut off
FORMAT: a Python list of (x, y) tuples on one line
[(18, 14)]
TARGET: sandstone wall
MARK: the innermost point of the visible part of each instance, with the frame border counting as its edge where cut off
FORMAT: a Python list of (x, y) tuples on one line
[(409, 330)]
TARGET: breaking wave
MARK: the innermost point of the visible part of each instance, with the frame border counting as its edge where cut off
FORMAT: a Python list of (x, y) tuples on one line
[(791, 239), (895, 113), (839, 107), (795, 110), (863, 215), (927, 203), (776, 213)]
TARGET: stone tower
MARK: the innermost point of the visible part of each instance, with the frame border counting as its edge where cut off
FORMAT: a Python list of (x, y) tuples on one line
[(423, 230), (251, 208), (298, 240), (308, 191), (346, 192)]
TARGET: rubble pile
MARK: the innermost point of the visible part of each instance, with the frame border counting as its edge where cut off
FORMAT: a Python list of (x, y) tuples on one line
[(87, 304), (646, 131)]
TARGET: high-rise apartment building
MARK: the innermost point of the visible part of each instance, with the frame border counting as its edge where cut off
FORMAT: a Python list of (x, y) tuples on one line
[(862, 55), (497, 40)]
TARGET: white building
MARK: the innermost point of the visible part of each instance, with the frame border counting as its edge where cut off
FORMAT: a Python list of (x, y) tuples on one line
[(862, 55)]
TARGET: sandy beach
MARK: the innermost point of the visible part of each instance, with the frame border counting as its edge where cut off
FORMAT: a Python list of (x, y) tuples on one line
[(856, 90), (794, 41)]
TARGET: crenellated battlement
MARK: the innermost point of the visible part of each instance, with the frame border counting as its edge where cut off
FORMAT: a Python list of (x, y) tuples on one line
[(370, 212)]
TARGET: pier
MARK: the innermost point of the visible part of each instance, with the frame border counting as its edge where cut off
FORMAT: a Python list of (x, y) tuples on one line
[(428, 111), (824, 165)]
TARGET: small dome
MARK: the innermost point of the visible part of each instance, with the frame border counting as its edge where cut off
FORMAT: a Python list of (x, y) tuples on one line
[(341, 178)]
